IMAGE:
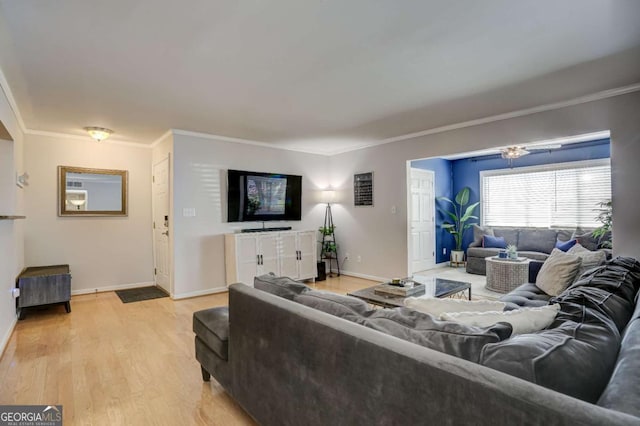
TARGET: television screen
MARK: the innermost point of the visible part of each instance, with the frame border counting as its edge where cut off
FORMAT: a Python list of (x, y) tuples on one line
[(256, 196)]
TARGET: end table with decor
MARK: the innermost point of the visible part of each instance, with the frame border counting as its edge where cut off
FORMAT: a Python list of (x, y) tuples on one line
[(504, 275)]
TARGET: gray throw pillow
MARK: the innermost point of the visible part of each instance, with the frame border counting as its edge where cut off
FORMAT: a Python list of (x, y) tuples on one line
[(558, 272), (279, 286), (478, 233), (590, 259)]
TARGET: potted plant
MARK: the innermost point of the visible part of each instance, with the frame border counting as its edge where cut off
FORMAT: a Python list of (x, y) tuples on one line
[(605, 216), (460, 215)]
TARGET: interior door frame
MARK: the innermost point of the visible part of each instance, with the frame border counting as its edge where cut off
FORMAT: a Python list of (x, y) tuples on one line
[(170, 227), (408, 220)]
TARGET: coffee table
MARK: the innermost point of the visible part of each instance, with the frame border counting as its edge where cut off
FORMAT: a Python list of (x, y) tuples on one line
[(503, 275), (436, 287)]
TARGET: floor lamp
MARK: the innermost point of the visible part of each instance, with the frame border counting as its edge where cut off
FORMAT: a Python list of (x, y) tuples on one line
[(328, 233)]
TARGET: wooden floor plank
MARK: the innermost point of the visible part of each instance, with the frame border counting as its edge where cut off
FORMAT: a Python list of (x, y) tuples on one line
[(110, 363)]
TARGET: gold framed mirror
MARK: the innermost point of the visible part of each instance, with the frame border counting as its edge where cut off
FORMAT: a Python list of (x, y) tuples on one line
[(91, 192)]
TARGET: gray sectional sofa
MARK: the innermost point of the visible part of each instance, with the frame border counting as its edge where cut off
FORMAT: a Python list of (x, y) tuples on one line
[(294, 356), (533, 243)]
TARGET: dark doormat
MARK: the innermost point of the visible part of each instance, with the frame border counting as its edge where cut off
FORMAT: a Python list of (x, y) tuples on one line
[(139, 294)]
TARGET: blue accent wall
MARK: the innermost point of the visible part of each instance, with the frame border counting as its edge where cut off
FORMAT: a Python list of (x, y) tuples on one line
[(466, 172), (443, 188)]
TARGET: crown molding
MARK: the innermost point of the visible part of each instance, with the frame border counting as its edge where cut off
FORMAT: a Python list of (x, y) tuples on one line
[(164, 135), (513, 114), (246, 142), (84, 138), (4, 85)]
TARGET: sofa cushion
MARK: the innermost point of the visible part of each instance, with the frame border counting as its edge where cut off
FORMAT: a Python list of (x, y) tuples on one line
[(558, 272), (212, 327), (510, 235), (621, 393), (523, 320), (565, 245), (541, 240), (574, 358), (436, 306), (347, 307), (478, 233), (493, 242), (564, 234), (445, 336), (527, 295), (280, 286)]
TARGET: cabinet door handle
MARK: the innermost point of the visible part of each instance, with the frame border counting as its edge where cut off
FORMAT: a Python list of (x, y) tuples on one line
[(261, 260), (299, 255), (257, 259)]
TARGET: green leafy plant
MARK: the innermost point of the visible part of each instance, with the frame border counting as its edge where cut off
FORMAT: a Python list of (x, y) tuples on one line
[(512, 251), (605, 217), (459, 216), (327, 230)]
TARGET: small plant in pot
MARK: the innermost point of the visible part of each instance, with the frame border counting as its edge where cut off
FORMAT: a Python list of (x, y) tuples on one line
[(512, 251), (459, 216)]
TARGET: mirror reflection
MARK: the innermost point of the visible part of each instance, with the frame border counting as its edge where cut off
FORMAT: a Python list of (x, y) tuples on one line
[(92, 192)]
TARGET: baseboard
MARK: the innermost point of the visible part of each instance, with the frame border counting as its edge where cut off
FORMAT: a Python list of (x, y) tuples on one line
[(199, 293), (365, 276), (111, 288), (7, 336)]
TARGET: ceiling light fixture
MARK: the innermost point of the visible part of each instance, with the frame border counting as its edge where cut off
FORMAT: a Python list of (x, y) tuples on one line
[(98, 133)]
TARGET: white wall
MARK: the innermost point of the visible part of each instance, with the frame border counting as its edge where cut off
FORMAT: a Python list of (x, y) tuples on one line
[(199, 167), (380, 237), (11, 231), (102, 252)]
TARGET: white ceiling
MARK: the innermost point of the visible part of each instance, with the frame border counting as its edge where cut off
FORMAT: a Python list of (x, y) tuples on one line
[(318, 75)]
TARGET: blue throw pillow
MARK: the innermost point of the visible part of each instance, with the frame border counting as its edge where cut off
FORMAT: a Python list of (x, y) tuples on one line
[(565, 245), (493, 242)]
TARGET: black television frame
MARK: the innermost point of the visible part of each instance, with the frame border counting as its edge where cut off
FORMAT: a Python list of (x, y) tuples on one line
[(237, 197)]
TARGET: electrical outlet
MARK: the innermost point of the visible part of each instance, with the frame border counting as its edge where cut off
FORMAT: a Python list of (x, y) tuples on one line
[(359, 259), (444, 250)]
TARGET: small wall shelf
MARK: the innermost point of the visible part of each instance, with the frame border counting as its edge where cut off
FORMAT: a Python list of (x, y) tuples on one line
[(11, 217)]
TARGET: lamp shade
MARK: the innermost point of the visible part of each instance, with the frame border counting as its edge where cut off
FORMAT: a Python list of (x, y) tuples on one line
[(328, 195)]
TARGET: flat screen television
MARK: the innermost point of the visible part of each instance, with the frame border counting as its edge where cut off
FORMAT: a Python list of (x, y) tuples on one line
[(257, 196)]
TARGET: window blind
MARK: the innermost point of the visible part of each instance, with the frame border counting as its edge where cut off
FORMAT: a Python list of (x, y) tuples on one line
[(561, 195)]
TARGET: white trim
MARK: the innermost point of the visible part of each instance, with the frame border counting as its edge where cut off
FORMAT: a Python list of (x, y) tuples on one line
[(161, 138), (84, 138), (245, 141), (4, 85), (7, 336), (499, 117), (111, 288), (199, 293)]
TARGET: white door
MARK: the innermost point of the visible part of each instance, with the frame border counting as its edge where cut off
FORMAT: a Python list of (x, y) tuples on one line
[(307, 247), (289, 255), (421, 212), (160, 200)]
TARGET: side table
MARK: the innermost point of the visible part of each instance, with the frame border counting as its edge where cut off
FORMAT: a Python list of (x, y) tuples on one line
[(43, 285), (503, 275)]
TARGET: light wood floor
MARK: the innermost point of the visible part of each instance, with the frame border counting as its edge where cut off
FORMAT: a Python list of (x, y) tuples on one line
[(121, 364)]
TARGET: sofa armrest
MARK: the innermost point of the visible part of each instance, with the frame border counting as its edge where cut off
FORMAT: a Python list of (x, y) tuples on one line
[(534, 268)]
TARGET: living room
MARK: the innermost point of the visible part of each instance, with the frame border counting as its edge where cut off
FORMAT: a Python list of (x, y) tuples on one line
[(106, 254)]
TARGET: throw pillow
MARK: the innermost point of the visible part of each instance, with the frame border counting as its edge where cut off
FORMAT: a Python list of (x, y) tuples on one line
[(479, 232), (590, 259), (587, 240), (280, 286), (565, 245), (523, 321), (435, 306), (493, 242), (558, 272)]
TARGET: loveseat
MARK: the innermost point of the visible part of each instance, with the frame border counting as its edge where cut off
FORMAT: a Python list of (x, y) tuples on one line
[(533, 243), (288, 363)]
